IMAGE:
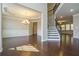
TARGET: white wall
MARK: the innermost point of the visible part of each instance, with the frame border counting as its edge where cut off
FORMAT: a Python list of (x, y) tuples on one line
[(34, 27), (76, 26), (0, 30), (38, 27), (51, 20), (42, 7), (13, 27), (31, 28)]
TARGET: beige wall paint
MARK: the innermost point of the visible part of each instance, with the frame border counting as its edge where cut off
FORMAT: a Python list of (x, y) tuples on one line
[(41, 7), (51, 20), (34, 27), (38, 31), (13, 27), (0, 29), (76, 26), (30, 28)]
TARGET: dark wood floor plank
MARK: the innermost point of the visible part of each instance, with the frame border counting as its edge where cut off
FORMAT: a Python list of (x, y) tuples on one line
[(46, 48)]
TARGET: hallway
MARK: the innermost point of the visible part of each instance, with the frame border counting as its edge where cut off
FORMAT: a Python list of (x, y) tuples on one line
[(36, 32)]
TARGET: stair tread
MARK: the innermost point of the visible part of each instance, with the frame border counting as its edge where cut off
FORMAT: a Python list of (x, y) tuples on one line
[(53, 38), (52, 35), (52, 31)]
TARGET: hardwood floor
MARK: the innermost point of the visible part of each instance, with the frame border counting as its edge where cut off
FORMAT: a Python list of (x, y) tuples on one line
[(46, 48)]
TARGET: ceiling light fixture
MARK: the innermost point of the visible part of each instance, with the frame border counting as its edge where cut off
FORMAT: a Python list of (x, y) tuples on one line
[(25, 21), (61, 16), (71, 10)]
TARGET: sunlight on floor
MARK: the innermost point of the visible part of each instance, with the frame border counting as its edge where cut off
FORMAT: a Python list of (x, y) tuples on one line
[(61, 53), (25, 48)]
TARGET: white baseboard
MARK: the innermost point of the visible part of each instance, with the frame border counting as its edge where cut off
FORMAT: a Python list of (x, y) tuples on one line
[(76, 38), (44, 40), (1, 49), (50, 40), (54, 39)]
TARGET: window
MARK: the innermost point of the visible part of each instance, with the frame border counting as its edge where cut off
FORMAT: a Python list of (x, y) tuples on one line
[(63, 27), (67, 26), (71, 26)]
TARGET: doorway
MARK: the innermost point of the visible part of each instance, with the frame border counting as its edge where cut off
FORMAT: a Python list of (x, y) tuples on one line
[(65, 27), (34, 28)]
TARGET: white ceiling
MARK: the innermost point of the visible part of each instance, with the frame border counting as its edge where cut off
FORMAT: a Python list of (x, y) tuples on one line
[(65, 9), (19, 11)]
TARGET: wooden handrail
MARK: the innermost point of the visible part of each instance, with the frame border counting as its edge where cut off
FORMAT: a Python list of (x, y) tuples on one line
[(55, 7)]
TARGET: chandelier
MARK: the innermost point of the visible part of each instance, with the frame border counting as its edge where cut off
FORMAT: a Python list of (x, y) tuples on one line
[(26, 21)]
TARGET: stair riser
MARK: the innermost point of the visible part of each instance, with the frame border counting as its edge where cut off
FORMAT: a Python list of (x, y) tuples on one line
[(53, 38), (53, 33)]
